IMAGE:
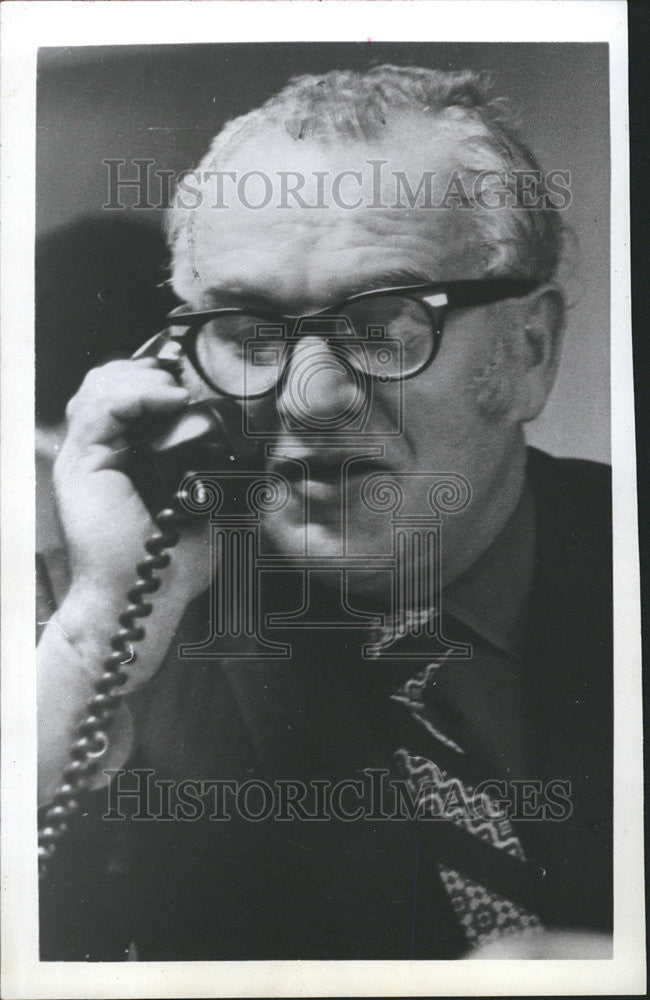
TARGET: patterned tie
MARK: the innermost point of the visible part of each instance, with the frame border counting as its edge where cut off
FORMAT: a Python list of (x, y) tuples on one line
[(483, 913)]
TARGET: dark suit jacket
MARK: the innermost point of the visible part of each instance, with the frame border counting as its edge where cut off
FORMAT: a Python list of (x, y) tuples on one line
[(258, 891)]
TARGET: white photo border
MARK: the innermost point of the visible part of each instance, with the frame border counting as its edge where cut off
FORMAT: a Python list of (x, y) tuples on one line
[(25, 28)]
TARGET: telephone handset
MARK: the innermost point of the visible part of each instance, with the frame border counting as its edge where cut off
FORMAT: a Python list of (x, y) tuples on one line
[(206, 435)]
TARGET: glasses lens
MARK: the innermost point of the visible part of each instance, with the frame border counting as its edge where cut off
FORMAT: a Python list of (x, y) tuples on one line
[(241, 354), (396, 332)]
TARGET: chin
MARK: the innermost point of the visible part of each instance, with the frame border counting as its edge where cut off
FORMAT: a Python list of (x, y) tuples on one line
[(296, 540), (324, 537)]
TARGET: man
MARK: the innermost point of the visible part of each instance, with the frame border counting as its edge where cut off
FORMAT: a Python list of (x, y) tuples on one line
[(479, 671)]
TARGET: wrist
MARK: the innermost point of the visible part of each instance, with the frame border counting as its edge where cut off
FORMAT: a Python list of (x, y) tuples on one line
[(88, 616)]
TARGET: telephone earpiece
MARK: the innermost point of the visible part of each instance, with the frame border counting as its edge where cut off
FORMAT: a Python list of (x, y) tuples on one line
[(207, 435)]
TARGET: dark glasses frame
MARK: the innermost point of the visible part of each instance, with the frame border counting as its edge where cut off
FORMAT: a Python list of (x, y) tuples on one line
[(437, 298)]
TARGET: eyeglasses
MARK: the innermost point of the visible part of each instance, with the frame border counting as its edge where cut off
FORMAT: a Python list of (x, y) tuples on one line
[(388, 334)]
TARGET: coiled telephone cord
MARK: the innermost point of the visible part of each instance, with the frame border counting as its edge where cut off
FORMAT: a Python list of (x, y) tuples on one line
[(91, 742)]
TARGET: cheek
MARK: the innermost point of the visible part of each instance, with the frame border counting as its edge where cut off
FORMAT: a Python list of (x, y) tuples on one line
[(441, 403), (478, 367), (449, 424), (494, 383), (465, 346)]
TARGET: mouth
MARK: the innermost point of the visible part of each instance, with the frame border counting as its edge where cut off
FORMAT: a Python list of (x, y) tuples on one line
[(326, 468)]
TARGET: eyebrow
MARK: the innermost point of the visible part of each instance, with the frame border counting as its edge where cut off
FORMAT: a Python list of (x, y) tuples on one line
[(385, 279), (388, 279)]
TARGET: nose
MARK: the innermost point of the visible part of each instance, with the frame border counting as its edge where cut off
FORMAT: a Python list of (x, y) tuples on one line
[(321, 389)]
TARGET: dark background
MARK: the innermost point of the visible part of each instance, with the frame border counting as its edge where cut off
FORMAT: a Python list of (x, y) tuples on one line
[(166, 102)]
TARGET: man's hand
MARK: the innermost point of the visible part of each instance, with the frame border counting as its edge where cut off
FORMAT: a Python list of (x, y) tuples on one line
[(106, 523)]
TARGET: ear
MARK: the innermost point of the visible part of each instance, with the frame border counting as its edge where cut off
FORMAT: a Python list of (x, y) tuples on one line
[(542, 329)]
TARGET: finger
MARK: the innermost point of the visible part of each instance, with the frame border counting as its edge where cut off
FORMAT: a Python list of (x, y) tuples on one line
[(105, 406), (98, 380)]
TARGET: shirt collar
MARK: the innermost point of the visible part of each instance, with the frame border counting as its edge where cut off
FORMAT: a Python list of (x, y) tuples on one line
[(491, 597)]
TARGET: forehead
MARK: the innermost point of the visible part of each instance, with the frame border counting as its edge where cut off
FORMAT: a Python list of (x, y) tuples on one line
[(350, 219)]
